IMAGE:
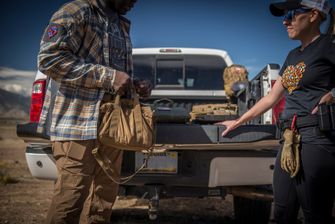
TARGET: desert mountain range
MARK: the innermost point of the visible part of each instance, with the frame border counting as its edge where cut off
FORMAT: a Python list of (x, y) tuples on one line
[(15, 90)]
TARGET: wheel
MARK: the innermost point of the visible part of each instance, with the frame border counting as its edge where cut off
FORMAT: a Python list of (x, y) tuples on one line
[(251, 210)]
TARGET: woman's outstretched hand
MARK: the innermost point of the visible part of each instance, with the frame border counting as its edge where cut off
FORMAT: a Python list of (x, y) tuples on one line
[(230, 125)]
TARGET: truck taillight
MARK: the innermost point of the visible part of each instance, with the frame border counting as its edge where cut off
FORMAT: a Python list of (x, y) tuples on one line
[(37, 98), (278, 108)]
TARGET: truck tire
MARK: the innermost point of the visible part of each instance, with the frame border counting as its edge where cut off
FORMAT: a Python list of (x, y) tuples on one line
[(251, 210)]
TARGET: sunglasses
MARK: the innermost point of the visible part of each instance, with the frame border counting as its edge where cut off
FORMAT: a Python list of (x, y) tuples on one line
[(292, 13)]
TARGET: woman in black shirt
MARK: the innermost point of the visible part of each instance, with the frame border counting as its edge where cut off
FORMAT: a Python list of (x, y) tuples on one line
[(306, 79)]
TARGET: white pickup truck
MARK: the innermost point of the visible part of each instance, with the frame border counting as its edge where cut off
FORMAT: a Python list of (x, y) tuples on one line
[(194, 160)]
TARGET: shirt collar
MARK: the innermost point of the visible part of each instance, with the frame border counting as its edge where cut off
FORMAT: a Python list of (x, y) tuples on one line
[(108, 13), (124, 21)]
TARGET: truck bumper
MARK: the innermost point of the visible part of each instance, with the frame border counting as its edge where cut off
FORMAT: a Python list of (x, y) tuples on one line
[(201, 168), (41, 162), (239, 171)]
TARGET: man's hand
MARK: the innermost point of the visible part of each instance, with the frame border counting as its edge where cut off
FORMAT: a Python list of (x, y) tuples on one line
[(121, 82), (327, 99), (143, 87)]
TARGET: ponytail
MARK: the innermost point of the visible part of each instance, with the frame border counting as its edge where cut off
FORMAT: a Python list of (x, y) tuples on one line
[(331, 28)]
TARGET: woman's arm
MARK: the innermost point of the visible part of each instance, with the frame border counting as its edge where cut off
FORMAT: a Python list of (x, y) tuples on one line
[(259, 108)]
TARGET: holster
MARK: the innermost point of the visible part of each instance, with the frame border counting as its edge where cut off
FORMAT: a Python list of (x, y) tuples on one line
[(326, 117)]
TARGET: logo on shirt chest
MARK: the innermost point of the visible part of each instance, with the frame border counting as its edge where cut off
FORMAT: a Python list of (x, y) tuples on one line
[(292, 76)]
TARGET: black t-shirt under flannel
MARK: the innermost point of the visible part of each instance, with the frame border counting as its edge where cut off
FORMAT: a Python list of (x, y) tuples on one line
[(308, 75)]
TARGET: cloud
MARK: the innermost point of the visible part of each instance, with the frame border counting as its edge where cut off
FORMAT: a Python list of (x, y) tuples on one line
[(253, 70), (16, 81), (14, 88), (253, 65), (10, 72)]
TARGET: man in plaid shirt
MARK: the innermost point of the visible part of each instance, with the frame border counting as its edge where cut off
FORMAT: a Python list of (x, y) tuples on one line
[(86, 48)]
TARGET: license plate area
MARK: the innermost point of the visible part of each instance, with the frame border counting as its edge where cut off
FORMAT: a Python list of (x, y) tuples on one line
[(164, 162)]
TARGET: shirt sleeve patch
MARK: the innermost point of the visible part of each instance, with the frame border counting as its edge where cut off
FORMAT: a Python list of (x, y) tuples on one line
[(53, 32)]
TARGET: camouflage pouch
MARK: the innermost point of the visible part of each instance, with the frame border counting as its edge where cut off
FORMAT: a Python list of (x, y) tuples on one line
[(232, 74), (213, 112)]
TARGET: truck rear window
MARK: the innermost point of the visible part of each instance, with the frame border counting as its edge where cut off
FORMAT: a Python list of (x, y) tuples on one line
[(192, 72)]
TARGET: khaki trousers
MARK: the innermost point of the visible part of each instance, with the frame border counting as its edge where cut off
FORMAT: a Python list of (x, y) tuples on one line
[(83, 193)]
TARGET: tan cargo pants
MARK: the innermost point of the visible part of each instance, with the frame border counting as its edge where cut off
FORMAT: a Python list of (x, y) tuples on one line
[(83, 193)]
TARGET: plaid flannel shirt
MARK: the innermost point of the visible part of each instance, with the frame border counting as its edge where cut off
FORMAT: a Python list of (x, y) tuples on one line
[(78, 52)]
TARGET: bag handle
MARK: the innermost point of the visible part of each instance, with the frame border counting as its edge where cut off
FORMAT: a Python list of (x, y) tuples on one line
[(169, 101), (104, 163), (137, 112), (102, 159), (138, 116), (114, 120)]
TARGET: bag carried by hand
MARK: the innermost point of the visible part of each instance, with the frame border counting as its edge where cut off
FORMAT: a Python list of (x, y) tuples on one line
[(127, 125)]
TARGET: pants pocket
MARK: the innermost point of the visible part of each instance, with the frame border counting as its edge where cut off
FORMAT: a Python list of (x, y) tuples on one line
[(75, 156), (77, 151)]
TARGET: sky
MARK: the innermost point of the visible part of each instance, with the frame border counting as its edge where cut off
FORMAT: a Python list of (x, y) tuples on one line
[(244, 28)]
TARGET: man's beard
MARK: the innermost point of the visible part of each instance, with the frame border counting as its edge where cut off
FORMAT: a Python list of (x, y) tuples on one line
[(114, 4)]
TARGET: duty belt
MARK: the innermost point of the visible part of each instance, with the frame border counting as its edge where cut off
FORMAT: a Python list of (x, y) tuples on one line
[(301, 122)]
